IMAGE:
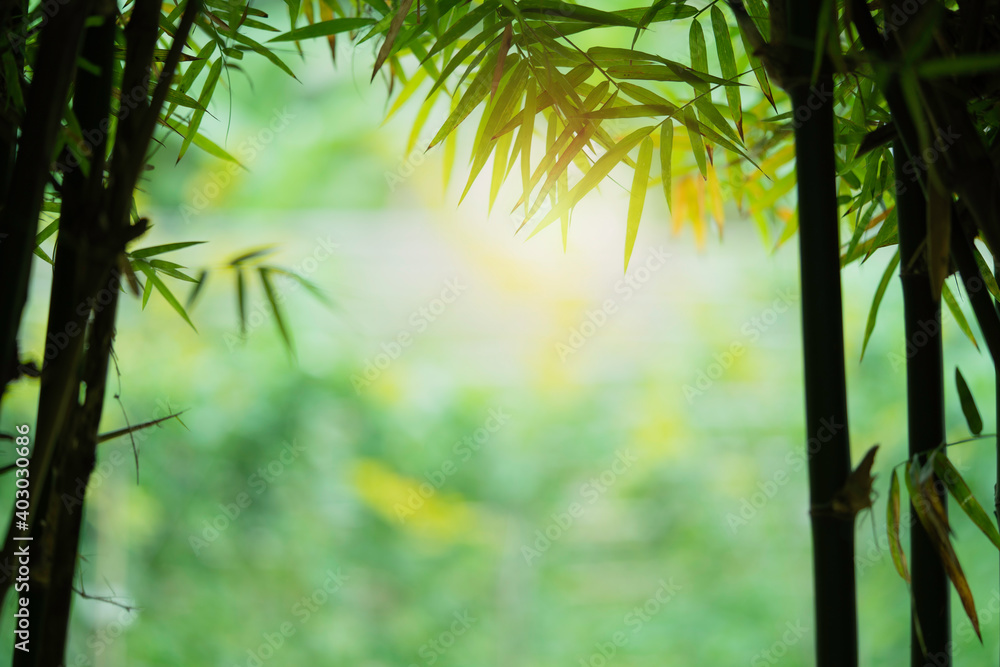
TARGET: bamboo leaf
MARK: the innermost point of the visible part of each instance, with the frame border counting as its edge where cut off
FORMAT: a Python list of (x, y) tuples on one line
[(988, 277), (958, 488), (161, 249), (890, 270), (323, 29), (500, 153), (648, 17), (196, 290), (524, 139), (590, 180), (206, 95), (272, 298), (391, 35), (164, 291), (727, 61), (697, 145), (465, 25), (565, 11), (956, 312), (892, 521), (241, 290), (637, 199), (666, 157), (969, 409), (929, 511), (473, 95), (264, 51)]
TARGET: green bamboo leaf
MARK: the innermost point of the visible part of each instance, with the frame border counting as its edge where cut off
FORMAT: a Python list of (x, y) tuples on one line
[(251, 254), (164, 291), (147, 289), (727, 61), (459, 58), (956, 312), (473, 95), (48, 231), (241, 300), (524, 137), (892, 520), (161, 249), (969, 409), (313, 288), (264, 51), (196, 290), (278, 317), (699, 54), (590, 180), (392, 34), (697, 145), (500, 153), (637, 198), (171, 269), (958, 488), (669, 72), (584, 133), (758, 71), (200, 140), (648, 17), (890, 270), (563, 189), (206, 95), (564, 11), (632, 111), (666, 157), (323, 29), (465, 25), (498, 110), (988, 277)]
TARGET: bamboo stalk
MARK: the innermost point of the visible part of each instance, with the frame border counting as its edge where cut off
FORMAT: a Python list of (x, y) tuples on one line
[(823, 346), (925, 419)]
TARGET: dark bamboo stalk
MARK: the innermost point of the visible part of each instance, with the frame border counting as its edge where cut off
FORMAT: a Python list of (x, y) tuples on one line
[(823, 346), (53, 70), (71, 461), (88, 254), (996, 413), (924, 367), (925, 418)]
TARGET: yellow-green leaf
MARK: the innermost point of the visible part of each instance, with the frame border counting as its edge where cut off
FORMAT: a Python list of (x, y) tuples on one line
[(697, 145), (892, 517), (590, 180), (666, 157), (637, 199), (727, 61)]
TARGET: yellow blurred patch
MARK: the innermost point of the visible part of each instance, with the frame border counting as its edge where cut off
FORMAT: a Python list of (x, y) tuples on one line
[(413, 505), (658, 436)]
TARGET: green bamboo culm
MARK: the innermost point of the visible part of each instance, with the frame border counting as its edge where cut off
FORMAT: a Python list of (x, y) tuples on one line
[(823, 343)]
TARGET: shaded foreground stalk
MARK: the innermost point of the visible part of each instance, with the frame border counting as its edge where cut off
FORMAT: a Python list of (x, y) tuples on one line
[(925, 419), (823, 347)]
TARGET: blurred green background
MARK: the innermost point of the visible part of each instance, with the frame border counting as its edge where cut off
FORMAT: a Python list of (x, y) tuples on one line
[(560, 466)]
